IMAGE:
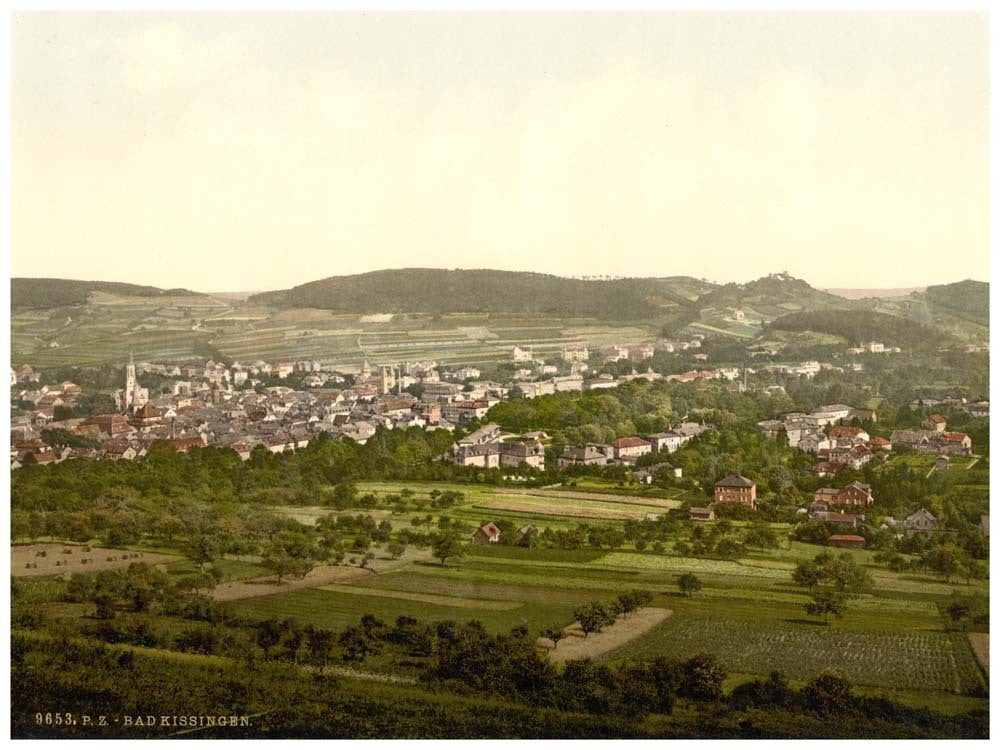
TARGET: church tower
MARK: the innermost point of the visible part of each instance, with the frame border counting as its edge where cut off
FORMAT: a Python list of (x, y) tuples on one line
[(130, 382), (132, 396)]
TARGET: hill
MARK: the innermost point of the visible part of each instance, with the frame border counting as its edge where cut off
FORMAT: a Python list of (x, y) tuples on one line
[(965, 299), (43, 293), (427, 290), (961, 309), (857, 326)]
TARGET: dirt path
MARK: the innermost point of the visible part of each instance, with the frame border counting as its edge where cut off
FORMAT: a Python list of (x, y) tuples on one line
[(267, 585), (981, 648), (602, 496), (71, 558), (576, 646)]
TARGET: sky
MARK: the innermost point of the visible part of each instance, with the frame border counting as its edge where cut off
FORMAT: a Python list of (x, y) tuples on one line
[(237, 152)]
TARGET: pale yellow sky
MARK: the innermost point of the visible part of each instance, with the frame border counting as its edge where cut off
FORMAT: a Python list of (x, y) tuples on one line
[(258, 151)]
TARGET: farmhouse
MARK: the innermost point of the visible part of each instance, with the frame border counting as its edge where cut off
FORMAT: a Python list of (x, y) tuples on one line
[(921, 522), (701, 514), (525, 532), (488, 533), (736, 488)]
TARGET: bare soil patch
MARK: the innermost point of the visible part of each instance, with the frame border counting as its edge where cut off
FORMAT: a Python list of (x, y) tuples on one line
[(576, 646), (75, 558), (267, 585), (981, 648)]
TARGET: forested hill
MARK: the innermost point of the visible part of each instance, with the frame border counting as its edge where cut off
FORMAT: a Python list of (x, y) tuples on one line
[(440, 291), (859, 326), (776, 290), (41, 293), (966, 299)]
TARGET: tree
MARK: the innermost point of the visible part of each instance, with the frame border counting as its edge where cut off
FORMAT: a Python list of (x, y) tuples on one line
[(689, 584), (845, 572), (761, 536), (807, 575), (827, 603), (593, 617), (554, 633), (447, 547), (204, 547), (943, 559), (396, 550), (728, 549), (828, 694), (701, 678), (356, 644)]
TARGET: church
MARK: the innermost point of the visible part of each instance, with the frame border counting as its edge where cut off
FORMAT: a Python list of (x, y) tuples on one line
[(131, 397)]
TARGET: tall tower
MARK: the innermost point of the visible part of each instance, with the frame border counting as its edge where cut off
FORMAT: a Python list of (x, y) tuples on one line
[(129, 379)]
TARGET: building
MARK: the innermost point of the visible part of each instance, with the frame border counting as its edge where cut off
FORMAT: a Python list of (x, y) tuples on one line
[(736, 488), (701, 514), (132, 396), (629, 447), (579, 353), (856, 494), (486, 434), (953, 443), (642, 351), (525, 535), (848, 541), (847, 435), (935, 422), (587, 456), (488, 533), (921, 522), (522, 354)]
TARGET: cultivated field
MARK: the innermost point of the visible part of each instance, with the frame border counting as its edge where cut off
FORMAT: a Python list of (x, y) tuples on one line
[(981, 648), (919, 660), (57, 559)]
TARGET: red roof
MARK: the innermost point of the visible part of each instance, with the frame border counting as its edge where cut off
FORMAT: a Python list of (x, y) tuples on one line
[(955, 437), (936, 418), (879, 441), (628, 442)]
